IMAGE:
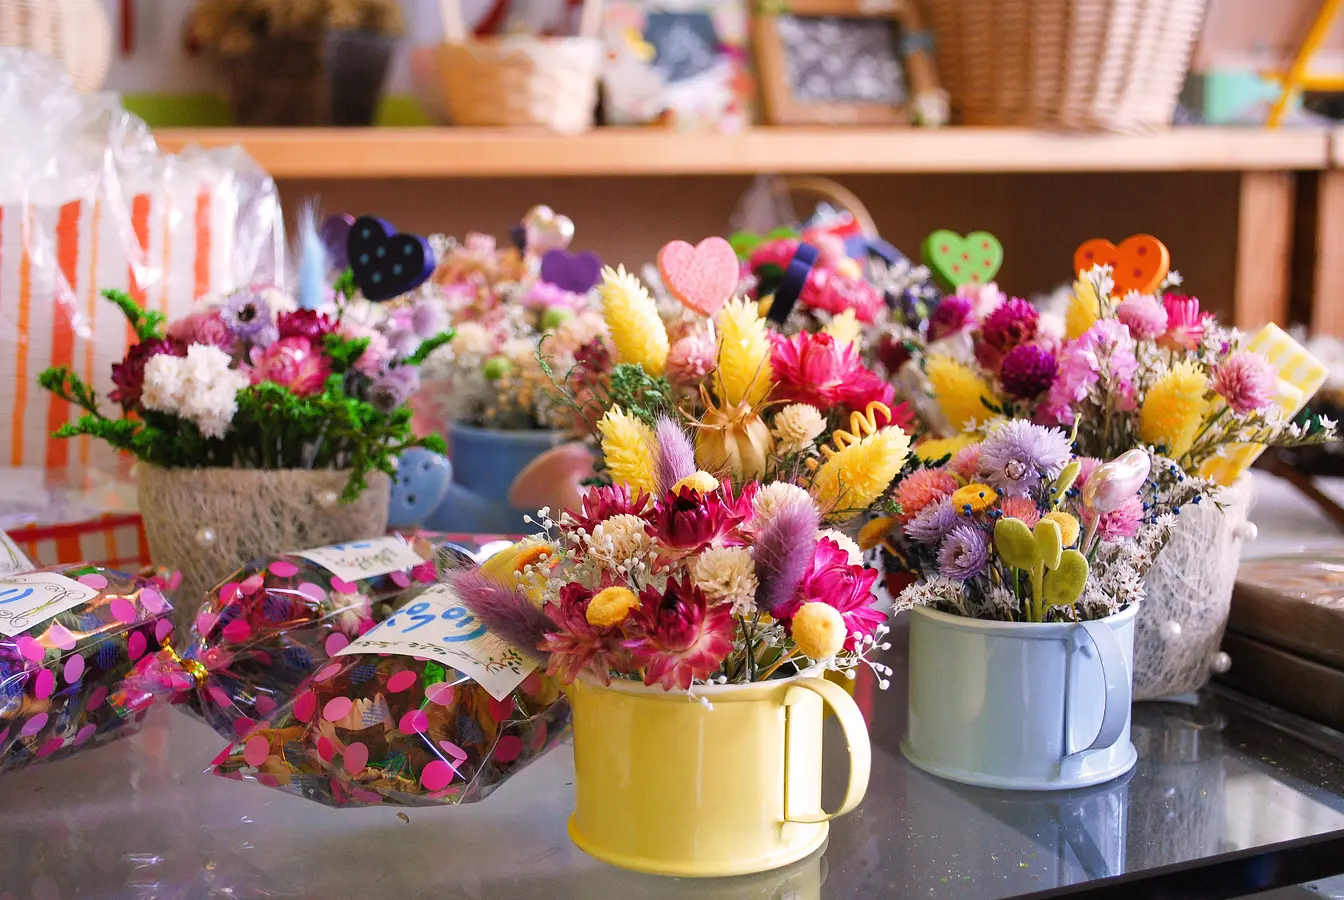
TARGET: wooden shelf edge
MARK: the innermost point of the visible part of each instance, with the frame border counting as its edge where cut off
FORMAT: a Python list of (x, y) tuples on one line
[(499, 153)]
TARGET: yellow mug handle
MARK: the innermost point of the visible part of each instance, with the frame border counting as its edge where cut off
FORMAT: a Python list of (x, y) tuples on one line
[(856, 737)]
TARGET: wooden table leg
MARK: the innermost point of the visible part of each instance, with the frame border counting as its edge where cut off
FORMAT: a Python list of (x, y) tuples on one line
[(1264, 249), (1327, 299)]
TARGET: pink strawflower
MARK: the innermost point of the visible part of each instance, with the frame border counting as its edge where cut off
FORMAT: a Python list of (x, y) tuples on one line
[(921, 488), (966, 462), (774, 253), (575, 646), (688, 521), (691, 359), (828, 290), (292, 363), (601, 503), (1185, 323), (1023, 508), (1027, 371), (816, 369), (305, 323), (1246, 381), (1144, 316), (953, 316), (1011, 324), (204, 327), (676, 636)]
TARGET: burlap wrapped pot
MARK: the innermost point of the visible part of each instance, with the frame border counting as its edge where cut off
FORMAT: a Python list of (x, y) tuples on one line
[(208, 522)]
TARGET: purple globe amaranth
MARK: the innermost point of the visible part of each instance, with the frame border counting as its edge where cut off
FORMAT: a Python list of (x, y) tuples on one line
[(1027, 371)]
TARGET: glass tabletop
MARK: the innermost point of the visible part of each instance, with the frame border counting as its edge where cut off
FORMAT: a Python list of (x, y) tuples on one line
[(1223, 801)]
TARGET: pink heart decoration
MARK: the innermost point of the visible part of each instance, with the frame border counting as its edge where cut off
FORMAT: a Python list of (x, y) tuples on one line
[(702, 277)]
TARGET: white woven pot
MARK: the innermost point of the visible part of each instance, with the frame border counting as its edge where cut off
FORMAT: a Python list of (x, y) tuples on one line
[(208, 522), (1180, 626)]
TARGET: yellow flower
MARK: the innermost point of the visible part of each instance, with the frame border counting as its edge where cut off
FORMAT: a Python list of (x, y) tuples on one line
[(845, 328), (959, 391), (818, 630), (797, 427), (931, 449), (873, 533), (700, 481), (1068, 527), (1083, 310), (743, 374), (637, 332), (627, 446), (1174, 409), (979, 497), (853, 477), (610, 606)]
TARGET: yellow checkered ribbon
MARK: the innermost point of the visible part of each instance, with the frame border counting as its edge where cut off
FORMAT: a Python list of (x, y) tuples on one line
[(1300, 377)]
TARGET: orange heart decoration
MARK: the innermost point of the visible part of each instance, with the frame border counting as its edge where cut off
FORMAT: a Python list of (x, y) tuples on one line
[(702, 277), (1138, 264)]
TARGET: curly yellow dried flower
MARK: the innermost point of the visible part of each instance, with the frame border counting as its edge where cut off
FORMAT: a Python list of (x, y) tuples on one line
[(627, 447), (637, 331), (1174, 409), (743, 374), (959, 392), (859, 470)]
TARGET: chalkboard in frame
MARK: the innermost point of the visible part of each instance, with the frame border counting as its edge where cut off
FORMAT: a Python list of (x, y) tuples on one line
[(846, 62)]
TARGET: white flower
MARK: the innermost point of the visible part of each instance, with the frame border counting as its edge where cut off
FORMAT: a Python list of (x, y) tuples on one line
[(165, 383), (846, 543), (519, 349), (472, 340), (774, 497), (209, 395), (727, 574), (797, 427), (621, 539)]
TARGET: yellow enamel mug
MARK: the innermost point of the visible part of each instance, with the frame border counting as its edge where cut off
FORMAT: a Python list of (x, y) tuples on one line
[(667, 785)]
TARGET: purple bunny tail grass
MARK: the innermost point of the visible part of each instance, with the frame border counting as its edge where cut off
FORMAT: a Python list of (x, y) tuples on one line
[(675, 455), (784, 547), (507, 612)]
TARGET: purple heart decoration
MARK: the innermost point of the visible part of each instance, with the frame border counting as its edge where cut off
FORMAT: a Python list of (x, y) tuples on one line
[(335, 234), (574, 272), (387, 264)]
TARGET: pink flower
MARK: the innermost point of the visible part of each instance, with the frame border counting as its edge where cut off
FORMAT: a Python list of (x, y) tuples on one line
[(603, 502), (1104, 349), (292, 363), (691, 358), (815, 369), (966, 463), (1246, 381), (774, 253), (1011, 324), (305, 323), (1145, 318), (544, 295), (985, 298), (953, 316), (828, 290), (676, 636), (204, 327), (831, 579), (1023, 508), (1185, 323), (922, 488), (688, 521), (1027, 371), (1086, 466), (1118, 524), (576, 645)]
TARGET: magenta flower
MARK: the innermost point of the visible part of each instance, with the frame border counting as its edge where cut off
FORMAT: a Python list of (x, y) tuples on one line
[(1011, 324), (687, 521), (601, 503), (676, 636), (305, 323), (1144, 316), (1027, 371), (1246, 381), (828, 290), (952, 316), (292, 363), (816, 369), (830, 578), (1185, 323), (129, 374), (203, 327), (576, 646)]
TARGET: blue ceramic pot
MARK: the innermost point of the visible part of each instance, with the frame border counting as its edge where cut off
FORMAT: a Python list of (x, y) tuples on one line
[(485, 463)]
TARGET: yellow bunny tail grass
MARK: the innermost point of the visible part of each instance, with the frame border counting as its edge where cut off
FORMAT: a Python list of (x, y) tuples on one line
[(845, 328), (743, 373), (858, 471), (1083, 310), (959, 392), (637, 332), (628, 448), (1174, 409)]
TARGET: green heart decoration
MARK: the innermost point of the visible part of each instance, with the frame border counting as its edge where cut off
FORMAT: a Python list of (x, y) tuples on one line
[(957, 260)]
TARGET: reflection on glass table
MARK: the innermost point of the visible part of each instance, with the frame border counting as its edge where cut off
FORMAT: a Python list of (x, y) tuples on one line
[(1221, 803)]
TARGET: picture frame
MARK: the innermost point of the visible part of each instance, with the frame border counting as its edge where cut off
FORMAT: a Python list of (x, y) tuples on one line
[(846, 62)]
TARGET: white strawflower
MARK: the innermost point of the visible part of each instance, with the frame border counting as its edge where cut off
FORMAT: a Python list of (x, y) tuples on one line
[(846, 543), (774, 497), (797, 427), (727, 574), (621, 539), (472, 341), (165, 383)]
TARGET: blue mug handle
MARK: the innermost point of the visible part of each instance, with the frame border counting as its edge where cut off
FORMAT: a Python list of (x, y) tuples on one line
[(1119, 688)]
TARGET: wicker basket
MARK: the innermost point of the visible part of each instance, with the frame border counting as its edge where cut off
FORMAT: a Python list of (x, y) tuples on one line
[(75, 32), (1114, 65), (518, 80)]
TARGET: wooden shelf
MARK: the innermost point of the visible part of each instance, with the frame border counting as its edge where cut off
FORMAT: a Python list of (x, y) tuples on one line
[(499, 153)]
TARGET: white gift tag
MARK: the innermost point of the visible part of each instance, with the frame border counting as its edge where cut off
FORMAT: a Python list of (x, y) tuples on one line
[(358, 560), (12, 559), (437, 626), (34, 597)]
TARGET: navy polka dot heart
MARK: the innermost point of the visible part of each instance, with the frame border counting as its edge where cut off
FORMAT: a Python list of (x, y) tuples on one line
[(387, 264)]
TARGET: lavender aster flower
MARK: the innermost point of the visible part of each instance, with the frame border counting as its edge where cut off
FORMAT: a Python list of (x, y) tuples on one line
[(964, 553), (1018, 455), (1027, 371), (427, 320), (932, 523), (247, 314), (393, 388)]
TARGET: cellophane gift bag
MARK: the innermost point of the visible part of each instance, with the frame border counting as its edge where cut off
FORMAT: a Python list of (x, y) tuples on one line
[(277, 620), (427, 709), (88, 202), (69, 638)]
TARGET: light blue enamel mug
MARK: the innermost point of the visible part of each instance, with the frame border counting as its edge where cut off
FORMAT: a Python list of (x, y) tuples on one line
[(1019, 705)]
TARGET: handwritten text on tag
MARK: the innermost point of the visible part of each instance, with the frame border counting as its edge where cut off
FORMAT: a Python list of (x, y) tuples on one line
[(357, 560)]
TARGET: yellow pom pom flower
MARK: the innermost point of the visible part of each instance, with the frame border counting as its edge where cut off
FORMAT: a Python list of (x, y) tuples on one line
[(1175, 408), (932, 449), (818, 630), (979, 497), (1068, 527), (700, 481), (743, 374), (1083, 310), (845, 328), (959, 392), (637, 332), (854, 476), (610, 606), (627, 447)]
